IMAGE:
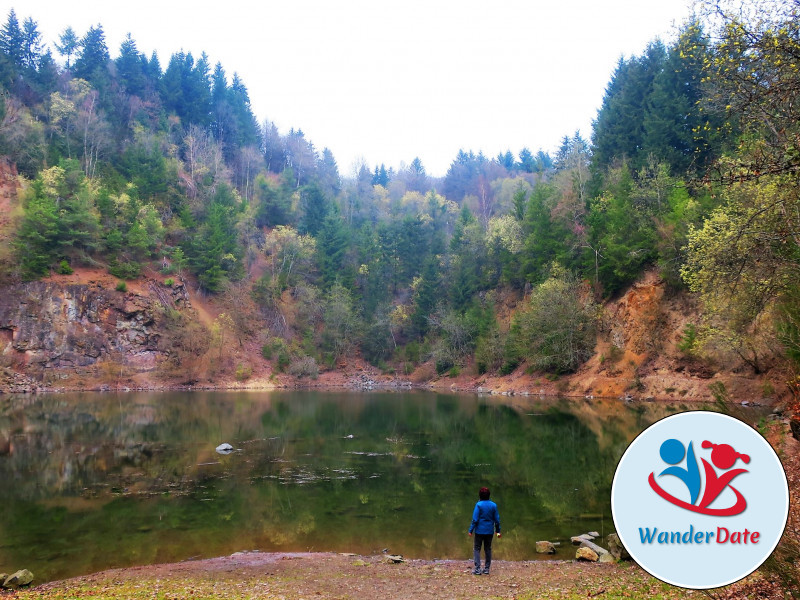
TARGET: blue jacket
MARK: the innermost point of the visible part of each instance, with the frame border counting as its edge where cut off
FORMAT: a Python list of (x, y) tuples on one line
[(485, 518)]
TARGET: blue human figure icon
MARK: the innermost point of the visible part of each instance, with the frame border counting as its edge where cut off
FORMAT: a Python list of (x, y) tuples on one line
[(672, 453)]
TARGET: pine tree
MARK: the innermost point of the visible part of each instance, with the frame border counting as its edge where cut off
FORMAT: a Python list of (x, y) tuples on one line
[(69, 44), (427, 295), (12, 41), (619, 128), (526, 162), (130, 67), (32, 46), (92, 62), (37, 234), (332, 245), (315, 208)]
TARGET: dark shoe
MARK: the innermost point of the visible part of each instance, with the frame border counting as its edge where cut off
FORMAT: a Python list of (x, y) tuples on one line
[(477, 571), (486, 570)]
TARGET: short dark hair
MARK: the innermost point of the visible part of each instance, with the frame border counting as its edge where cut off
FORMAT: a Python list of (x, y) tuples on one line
[(484, 493)]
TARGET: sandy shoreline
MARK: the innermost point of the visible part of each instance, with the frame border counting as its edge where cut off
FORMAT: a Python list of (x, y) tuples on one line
[(284, 575)]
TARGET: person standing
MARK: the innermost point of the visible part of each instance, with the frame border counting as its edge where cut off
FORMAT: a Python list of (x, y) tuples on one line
[(485, 522)]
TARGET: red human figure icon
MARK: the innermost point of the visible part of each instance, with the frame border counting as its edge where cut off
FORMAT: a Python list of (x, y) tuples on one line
[(724, 457)]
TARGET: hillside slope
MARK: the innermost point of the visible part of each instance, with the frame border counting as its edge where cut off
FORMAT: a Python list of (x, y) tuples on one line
[(78, 332)]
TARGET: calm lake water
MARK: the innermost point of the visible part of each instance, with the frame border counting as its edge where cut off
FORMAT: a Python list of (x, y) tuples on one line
[(93, 481)]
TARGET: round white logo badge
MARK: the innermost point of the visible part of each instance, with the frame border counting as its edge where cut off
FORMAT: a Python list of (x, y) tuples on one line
[(699, 499)]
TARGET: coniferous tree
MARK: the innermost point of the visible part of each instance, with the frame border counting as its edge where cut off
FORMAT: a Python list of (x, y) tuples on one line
[(68, 45), (526, 162), (93, 58), (427, 295), (619, 128), (676, 130), (315, 208), (12, 41), (130, 66), (32, 46), (332, 245)]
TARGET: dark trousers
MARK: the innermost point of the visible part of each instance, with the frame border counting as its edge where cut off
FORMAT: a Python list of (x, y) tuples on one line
[(486, 540)]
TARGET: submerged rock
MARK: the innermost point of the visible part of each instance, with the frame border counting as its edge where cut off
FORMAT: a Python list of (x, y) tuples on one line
[(545, 547), (224, 448)]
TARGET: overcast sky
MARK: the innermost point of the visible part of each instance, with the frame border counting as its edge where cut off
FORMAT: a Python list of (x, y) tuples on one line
[(388, 80)]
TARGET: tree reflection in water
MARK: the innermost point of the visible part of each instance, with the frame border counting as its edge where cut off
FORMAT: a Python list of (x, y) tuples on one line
[(92, 481)]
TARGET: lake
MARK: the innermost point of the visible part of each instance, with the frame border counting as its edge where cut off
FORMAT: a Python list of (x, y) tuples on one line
[(92, 481)]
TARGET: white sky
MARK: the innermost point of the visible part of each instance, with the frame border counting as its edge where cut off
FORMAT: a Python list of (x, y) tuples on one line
[(388, 80)]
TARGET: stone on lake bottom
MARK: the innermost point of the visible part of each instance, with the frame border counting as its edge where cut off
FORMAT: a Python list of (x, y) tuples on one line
[(224, 448), (545, 547)]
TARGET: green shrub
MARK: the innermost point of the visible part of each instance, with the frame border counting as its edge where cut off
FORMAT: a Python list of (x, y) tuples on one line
[(278, 349), (64, 268), (243, 372), (169, 282), (687, 342), (125, 270), (442, 366), (508, 367), (283, 360), (304, 367), (556, 331), (122, 286)]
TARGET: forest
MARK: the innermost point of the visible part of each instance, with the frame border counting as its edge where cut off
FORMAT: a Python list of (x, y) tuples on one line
[(138, 166)]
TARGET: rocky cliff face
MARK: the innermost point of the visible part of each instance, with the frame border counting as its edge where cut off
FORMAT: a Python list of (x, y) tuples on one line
[(50, 331)]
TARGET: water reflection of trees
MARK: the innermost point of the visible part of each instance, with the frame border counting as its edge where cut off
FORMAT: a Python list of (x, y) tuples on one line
[(376, 468)]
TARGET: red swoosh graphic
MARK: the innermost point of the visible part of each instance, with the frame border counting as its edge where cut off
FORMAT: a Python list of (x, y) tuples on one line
[(737, 508)]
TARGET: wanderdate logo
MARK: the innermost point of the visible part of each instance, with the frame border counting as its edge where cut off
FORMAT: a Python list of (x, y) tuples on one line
[(723, 457), (699, 499)]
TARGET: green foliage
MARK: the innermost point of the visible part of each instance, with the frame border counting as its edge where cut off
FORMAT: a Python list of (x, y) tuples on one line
[(456, 337), (59, 220), (169, 282), (377, 340), (622, 233), (332, 246), (37, 234), (124, 269), (556, 332), (273, 201), (687, 342), (788, 325), (316, 207), (215, 254), (721, 396), (173, 164), (304, 366), (121, 286), (341, 320), (243, 372), (490, 351), (64, 268), (546, 239)]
